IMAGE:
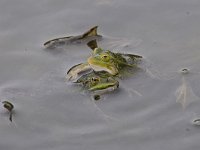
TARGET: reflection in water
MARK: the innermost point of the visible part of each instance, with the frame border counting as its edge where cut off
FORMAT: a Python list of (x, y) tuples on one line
[(184, 93), (105, 116)]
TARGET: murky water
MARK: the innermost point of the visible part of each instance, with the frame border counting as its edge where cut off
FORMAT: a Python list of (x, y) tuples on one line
[(152, 110)]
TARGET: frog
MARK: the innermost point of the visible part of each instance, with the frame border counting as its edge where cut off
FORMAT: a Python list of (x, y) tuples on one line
[(116, 64), (113, 63), (98, 82)]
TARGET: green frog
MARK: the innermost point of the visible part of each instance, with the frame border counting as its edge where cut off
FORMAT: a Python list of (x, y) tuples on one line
[(98, 82), (99, 74), (113, 63), (116, 64)]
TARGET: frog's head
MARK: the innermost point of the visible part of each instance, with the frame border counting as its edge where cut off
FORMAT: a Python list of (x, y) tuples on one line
[(89, 80), (102, 60), (96, 83)]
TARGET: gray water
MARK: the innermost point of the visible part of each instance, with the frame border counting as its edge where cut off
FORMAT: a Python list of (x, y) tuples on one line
[(51, 114)]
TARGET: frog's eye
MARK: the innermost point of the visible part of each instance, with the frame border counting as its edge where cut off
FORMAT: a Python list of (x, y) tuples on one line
[(95, 79), (105, 57)]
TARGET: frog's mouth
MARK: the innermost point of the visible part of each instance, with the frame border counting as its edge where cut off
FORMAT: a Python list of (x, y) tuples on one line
[(104, 87), (102, 66)]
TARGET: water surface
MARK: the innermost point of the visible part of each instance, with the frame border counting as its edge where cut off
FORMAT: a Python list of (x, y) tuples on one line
[(142, 114)]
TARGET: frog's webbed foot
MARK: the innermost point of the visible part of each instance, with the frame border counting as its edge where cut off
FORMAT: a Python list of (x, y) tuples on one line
[(92, 44), (132, 58)]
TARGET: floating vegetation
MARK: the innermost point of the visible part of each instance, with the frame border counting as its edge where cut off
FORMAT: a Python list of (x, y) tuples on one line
[(9, 106), (185, 71), (78, 70), (97, 97), (196, 122), (91, 34)]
